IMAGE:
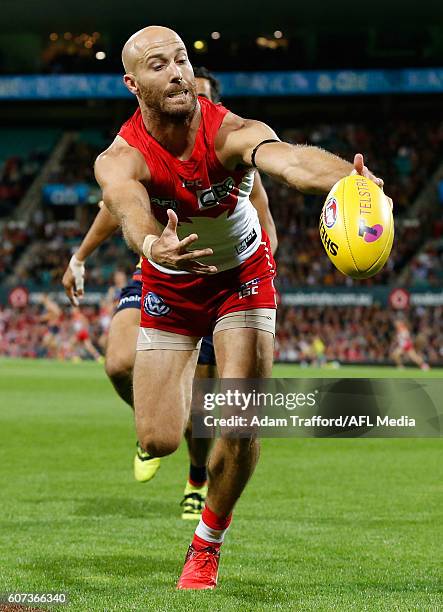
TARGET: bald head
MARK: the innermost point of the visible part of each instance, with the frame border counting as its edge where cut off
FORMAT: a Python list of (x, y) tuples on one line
[(159, 73), (146, 41)]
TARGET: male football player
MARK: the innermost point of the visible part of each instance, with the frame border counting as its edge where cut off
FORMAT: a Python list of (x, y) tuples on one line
[(179, 175), (404, 346), (120, 350)]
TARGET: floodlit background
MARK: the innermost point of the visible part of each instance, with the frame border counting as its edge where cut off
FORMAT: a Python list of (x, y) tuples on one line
[(324, 524), (334, 77)]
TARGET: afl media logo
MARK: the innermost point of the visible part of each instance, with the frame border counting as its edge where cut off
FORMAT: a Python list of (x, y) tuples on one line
[(330, 213), (155, 306)]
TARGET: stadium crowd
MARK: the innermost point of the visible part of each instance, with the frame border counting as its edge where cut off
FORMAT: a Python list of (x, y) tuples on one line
[(426, 267), (410, 154), (29, 332), (37, 255), (16, 175), (77, 165), (15, 237), (309, 335), (405, 154), (354, 333), (52, 251)]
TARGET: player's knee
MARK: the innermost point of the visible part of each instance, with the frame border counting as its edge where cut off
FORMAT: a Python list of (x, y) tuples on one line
[(241, 449), (159, 445), (118, 367)]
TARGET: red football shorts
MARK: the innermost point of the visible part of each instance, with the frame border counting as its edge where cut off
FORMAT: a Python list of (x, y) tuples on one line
[(406, 346), (190, 305)]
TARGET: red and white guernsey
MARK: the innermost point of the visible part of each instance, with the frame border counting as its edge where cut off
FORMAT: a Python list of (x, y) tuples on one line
[(404, 340), (208, 199)]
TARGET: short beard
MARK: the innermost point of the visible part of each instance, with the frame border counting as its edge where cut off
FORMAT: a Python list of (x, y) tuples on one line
[(155, 105)]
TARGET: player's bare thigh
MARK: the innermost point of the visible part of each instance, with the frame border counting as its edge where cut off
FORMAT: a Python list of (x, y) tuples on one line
[(162, 397), (244, 353), (122, 340)]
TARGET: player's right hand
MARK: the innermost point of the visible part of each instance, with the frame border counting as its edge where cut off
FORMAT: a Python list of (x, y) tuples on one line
[(360, 168), (74, 280), (171, 252)]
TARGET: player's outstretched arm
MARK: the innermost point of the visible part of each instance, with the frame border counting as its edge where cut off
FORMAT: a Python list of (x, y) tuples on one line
[(260, 201), (122, 174), (120, 171), (306, 168), (103, 226)]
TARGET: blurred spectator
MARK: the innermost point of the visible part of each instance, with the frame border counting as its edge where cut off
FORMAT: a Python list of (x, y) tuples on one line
[(426, 268), (354, 334), (77, 165), (304, 334), (14, 238), (51, 255), (404, 153), (16, 175), (25, 333)]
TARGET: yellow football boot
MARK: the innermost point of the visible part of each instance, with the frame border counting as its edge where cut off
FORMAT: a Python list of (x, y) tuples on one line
[(145, 466), (193, 501)]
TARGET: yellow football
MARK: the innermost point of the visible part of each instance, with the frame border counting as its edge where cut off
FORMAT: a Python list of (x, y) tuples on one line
[(357, 226)]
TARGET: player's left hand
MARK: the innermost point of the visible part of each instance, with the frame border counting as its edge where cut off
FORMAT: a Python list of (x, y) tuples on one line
[(73, 280), (360, 168)]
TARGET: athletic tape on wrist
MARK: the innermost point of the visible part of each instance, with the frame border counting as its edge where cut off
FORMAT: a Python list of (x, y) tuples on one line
[(77, 262), (147, 245)]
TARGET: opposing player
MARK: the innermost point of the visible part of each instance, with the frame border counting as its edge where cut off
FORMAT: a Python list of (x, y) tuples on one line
[(181, 171), (120, 351), (52, 319), (404, 346)]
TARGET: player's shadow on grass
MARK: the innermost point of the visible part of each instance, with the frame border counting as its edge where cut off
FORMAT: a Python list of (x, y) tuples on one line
[(122, 506)]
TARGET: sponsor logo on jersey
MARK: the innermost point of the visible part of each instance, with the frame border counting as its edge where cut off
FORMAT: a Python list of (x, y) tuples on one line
[(330, 246), (155, 306), (330, 213), (128, 299), (369, 234), (198, 183), (244, 244), (164, 203), (249, 288), (212, 196)]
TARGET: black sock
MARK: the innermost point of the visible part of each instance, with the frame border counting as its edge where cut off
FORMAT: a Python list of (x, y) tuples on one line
[(197, 475)]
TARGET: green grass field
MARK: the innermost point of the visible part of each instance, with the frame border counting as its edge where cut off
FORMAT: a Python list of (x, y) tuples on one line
[(324, 524)]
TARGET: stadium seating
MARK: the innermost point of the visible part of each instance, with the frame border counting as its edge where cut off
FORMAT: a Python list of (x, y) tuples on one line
[(349, 334), (22, 153), (14, 238), (52, 251), (404, 154), (426, 268), (354, 334)]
